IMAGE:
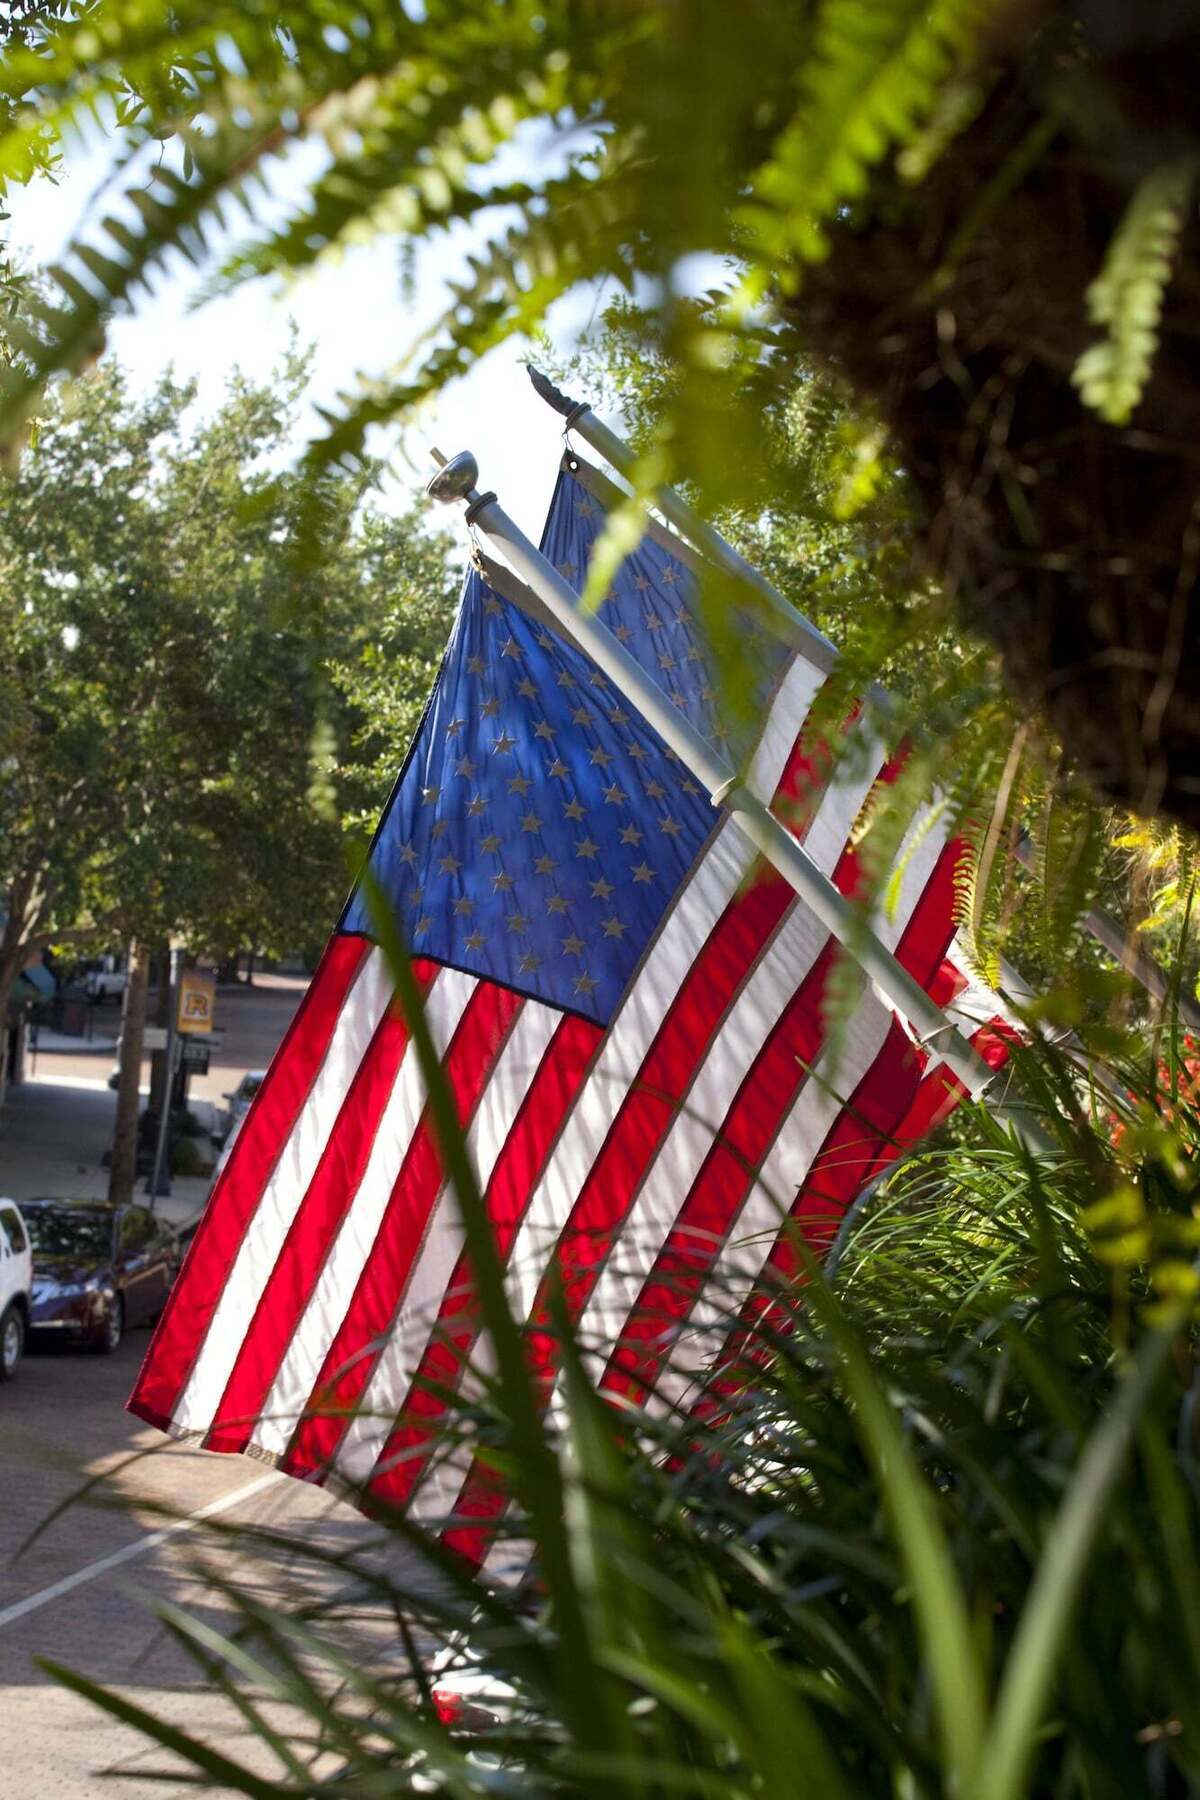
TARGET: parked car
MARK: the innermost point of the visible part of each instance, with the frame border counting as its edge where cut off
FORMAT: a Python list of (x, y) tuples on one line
[(16, 1280), (97, 1269), (239, 1102), (105, 984)]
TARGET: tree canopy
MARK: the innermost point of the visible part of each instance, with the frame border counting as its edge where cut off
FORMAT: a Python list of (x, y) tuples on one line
[(173, 689)]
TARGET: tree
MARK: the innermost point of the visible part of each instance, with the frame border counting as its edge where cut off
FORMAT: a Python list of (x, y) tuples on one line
[(166, 686), (975, 220)]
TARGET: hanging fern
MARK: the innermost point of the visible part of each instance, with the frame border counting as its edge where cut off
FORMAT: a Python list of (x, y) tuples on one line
[(1127, 295), (875, 76)]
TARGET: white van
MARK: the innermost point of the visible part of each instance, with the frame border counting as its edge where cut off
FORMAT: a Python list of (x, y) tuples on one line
[(16, 1279)]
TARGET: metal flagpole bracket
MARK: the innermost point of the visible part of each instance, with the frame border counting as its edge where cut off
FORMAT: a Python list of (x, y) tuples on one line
[(458, 479), (477, 505), (455, 479)]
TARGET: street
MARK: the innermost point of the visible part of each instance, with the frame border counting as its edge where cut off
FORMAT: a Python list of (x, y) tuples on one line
[(56, 1125), (63, 1428)]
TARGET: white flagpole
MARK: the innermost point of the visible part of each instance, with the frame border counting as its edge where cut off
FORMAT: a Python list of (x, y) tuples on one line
[(796, 629), (456, 480)]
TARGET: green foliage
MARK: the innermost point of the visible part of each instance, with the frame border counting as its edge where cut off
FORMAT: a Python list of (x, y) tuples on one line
[(873, 77), (712, 122), (938, 1535), (1127, 295), (168, 657)]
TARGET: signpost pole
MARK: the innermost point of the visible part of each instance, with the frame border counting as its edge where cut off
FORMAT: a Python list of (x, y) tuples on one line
[(160, 1177)]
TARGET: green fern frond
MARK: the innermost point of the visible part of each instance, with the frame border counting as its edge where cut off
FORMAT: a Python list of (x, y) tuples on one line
[(876, 73), (174, 214), (405, 164), (1127, 295)]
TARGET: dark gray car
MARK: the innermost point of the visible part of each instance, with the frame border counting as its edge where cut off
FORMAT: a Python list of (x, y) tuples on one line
[(97, 1268)]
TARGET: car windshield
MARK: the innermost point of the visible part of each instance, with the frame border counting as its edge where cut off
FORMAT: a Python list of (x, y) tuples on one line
[(57, 1231), (249, 1086)]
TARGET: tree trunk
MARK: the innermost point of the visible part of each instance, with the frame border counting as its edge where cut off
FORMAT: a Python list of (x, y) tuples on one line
[(123, 1171), (12, 961)]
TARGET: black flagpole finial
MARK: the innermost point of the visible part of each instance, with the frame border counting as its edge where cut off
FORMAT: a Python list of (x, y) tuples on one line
[(545, 389)]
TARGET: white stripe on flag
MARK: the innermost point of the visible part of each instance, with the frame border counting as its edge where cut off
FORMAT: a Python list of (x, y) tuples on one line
[(281, 1198), (443, 1244), (790, 708), (322, 1317), (861, 757)]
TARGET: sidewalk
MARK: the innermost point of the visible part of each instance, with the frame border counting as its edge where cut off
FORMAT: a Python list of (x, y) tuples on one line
[(52, 1137), (102, 1043)]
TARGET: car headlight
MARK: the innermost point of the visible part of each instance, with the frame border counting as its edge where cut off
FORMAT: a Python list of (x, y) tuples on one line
[(65, 1290)]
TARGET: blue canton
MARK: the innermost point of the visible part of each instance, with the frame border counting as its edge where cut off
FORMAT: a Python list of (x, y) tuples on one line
[(540, 829)]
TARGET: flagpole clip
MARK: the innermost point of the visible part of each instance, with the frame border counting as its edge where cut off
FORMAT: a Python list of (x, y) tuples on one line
[(927, 1041), (721, 796)]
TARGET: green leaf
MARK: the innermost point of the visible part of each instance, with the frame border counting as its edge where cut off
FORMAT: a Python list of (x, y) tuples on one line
[(957, 1679), (1047, 1618), (1127, 295)]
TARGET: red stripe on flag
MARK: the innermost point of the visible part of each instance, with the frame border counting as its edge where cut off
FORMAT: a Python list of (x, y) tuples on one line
[(765, 1097), (942, 1091), (276, 1107), (645, 1116), (750, 1128), (318, 1219), (880, 1119), (468, 1064), (548, 1100)]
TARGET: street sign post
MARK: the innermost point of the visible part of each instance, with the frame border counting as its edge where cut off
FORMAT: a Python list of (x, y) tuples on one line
[(193, 1056), (159, 1180)]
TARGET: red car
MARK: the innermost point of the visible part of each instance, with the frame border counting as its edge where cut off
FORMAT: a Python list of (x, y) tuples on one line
[(97, 1269)]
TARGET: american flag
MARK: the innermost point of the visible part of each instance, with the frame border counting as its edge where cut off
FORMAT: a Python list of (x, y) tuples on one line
[(628, 1004)]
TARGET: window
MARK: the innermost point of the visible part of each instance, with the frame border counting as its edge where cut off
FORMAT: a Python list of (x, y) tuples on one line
[(84, 1233), (12, 1236)]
